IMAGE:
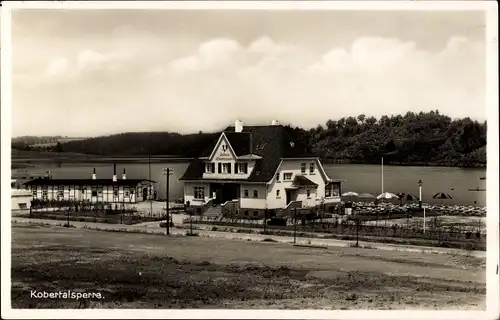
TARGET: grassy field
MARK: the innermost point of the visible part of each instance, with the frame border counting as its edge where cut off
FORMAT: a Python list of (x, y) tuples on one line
[(148, 271)]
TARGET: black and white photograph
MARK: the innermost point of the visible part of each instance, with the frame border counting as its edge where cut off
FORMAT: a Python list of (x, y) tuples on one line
[(278, 159)]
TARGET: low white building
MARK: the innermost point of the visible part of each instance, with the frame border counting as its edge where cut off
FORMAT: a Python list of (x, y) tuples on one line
[(260, 167), (21, 199), (94, 190)]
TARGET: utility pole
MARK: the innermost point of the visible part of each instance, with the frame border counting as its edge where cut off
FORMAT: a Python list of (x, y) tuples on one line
[(167, 172), (294, 225)]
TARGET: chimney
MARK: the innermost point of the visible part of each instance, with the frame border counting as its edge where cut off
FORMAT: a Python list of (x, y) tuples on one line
[(275, 123), (124, 175), (238, 126), (114, 173), (94, 175)]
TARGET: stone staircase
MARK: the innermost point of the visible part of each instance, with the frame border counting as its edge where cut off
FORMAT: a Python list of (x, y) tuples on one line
[(213, 211)]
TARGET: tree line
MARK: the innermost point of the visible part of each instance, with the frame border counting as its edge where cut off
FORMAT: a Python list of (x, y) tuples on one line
[(411, 139)]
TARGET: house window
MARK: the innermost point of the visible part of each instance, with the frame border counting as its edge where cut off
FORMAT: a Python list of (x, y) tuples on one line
[(99, 191), (115, 192), (278, 177), (328, 191), (33, 192), (45, 194), (208, 167), (60, 194), (255, 194), (245, 193), (308, 194), (131, 191), (303, 168), (199, 192), (287, 176), (226, 168), (277, 193), (242, 168), (127, 194), (311, 167), (255, 213), (94, 191)]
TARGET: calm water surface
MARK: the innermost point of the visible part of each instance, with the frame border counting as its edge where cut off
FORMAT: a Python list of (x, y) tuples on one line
[(359, 178)]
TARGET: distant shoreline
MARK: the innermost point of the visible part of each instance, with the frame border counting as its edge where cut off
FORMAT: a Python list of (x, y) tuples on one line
[(26, 161)]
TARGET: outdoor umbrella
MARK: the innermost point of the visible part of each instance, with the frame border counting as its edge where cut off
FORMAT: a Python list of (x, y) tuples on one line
[(407, 196), (387, 195), (442, 196), (366, 196), (350, 194)]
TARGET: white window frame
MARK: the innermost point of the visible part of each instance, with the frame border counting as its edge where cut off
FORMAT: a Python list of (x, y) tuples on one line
[(303, 168), (328, 191), (226, 167), (242, 167), (289, 174), (256, 194), (312, 168), (199, 193), (208, 167)]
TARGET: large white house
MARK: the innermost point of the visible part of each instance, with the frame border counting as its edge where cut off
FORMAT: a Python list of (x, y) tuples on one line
[(260, 167)]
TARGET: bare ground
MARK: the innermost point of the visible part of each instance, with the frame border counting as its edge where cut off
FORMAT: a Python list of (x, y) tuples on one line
[(150, 271)]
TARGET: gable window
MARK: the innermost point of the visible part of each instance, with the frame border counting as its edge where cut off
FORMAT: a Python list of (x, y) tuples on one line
[(209, 167), (311, 167), (255, 194), (199, 193), (287, 176), (226, 168), (219, 167), (241, 168), (245, 193), (303, 168), (277, 193)]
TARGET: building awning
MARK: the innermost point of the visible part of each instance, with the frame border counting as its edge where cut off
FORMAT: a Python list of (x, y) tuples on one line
[(301, 181)]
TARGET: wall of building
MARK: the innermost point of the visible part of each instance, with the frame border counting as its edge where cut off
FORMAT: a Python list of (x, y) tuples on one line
[(21, 202), (189, 193), (294, 167), (110, 194), (250, 201)]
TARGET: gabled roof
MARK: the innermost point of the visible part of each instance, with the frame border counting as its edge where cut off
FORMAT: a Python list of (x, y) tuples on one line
[(95, 182), (272, 143)]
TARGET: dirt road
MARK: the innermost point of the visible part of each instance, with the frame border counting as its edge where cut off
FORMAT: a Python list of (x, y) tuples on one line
[(152, 271)]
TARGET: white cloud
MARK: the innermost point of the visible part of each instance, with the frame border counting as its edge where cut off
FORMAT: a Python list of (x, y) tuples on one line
[(221, 80)]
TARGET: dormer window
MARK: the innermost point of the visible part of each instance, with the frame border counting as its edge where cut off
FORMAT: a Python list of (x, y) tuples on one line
[(209, 167), (241, 168), (226, 168)]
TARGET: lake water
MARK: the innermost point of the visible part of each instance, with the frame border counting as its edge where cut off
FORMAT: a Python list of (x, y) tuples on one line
[(360, 178)]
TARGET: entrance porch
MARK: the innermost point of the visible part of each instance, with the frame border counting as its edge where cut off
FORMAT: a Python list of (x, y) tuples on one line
[(222, 192)]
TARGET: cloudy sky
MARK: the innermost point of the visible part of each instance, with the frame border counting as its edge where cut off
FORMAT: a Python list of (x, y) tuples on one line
[(90, 73)]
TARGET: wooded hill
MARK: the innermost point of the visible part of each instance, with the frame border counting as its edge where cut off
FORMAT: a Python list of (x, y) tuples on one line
[(412, 139)]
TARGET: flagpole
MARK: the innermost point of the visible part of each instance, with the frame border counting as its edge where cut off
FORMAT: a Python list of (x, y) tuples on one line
[(382, 174)]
